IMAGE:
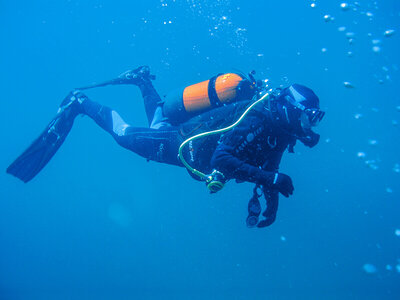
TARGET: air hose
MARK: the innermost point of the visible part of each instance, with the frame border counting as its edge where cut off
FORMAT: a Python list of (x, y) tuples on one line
[(212, 180)]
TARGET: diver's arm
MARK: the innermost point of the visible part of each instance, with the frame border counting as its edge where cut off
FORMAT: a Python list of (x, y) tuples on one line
[(272, 162), (226, 162), (272, 199), (225, 157), (271, 195)]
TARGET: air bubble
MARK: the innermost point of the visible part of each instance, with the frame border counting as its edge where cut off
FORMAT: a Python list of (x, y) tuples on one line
[(344, 6), (376, 49), (361, 155), (348, 85), (389, 32), (369, 268), (373, 142), (372, 164)]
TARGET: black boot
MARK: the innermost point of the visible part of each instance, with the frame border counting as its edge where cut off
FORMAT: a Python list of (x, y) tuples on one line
[(136, 76), (71, 106)]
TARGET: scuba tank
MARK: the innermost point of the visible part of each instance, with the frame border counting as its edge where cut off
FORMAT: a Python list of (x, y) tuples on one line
[(182, 104)]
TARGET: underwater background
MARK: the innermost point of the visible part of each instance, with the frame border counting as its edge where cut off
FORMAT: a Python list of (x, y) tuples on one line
[(99, 222)]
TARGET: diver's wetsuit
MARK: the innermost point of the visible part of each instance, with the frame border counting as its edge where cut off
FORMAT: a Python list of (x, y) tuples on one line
[(244, 153)]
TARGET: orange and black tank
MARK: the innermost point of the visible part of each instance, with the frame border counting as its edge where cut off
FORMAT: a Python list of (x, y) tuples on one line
[(182, 104)]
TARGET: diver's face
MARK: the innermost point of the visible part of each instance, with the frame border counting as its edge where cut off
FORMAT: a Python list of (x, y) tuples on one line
[(305, 123), (311, 118)]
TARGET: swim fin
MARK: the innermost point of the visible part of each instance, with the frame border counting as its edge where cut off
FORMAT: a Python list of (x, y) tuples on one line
[(136, 76), (39, 153)]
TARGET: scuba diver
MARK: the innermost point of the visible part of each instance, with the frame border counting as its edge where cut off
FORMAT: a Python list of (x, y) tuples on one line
[(229, 127)]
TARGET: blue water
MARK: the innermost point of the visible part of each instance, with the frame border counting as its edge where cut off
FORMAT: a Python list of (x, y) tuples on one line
[(102, 223)]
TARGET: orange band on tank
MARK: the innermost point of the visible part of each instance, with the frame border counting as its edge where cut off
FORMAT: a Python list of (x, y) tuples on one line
[(195, 97), (226, 85)]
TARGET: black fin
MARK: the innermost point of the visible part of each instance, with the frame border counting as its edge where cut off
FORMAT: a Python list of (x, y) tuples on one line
[(39, 153)]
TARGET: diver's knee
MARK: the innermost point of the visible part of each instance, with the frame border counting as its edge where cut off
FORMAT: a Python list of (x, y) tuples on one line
[(122, 141)]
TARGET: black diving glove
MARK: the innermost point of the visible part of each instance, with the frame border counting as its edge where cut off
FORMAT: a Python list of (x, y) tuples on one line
[(281, 182)]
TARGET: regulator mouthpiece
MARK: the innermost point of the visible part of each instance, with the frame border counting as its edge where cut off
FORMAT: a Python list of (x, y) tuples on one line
[(215, 181)]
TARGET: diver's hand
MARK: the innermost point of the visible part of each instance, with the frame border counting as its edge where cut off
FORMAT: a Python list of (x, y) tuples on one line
[(283, 183), (280, 182)]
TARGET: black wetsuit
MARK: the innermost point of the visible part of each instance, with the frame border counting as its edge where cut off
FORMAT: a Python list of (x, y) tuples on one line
[(245, 153)]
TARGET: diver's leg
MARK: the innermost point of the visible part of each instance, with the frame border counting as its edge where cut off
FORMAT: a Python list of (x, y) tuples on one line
[(158, 145), (150, 97), (152, 101), (152, 105)]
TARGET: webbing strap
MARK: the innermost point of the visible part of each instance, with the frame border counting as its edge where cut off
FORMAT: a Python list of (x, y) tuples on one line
[(212, 93)]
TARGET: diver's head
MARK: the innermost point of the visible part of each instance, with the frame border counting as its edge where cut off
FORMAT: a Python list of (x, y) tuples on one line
[(298, 111)]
